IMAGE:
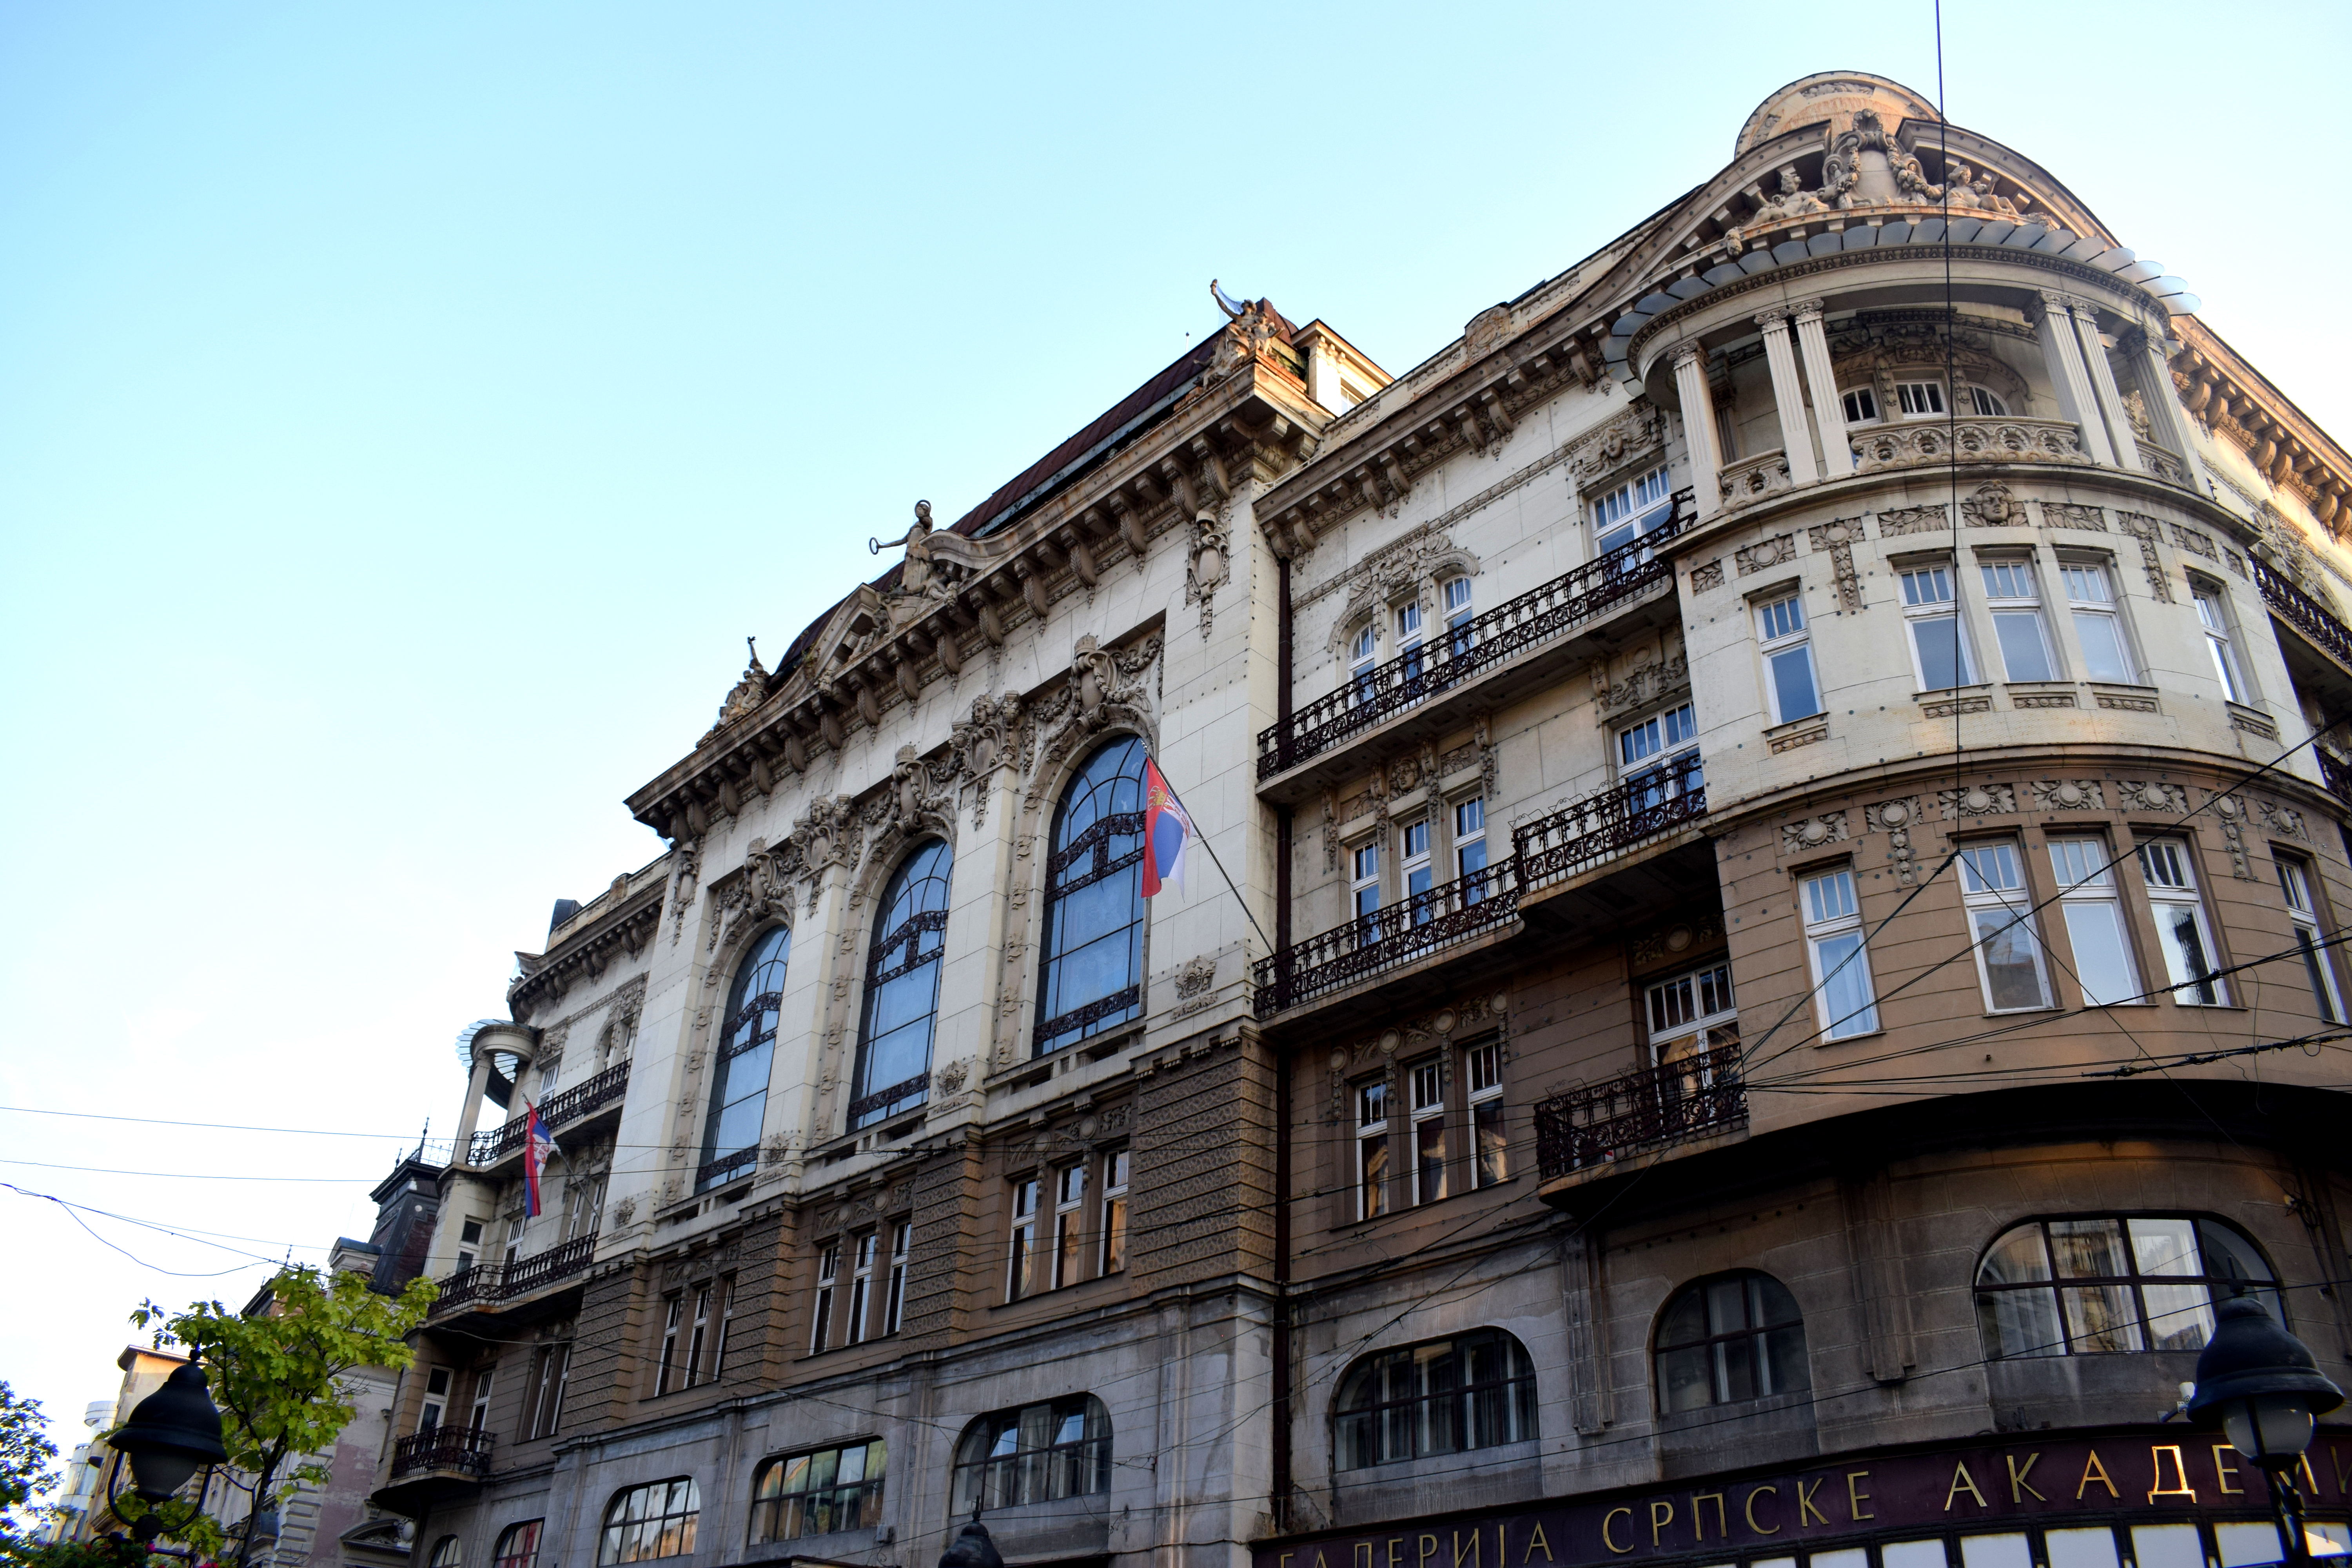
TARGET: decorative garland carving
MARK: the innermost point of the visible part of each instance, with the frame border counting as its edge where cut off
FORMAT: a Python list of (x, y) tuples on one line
[(1836, 539)]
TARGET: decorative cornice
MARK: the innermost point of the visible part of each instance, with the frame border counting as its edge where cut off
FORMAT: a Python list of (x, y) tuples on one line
[(624, 933)]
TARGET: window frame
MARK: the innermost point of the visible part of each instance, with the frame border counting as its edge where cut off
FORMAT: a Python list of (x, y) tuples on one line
[(893, 1302), (2108, 609), (2099, 887), (2296, 882), (2153, 852), (1469, 838), (1715, 1345), (678, 1526), (1363, 658), (1482, 1076), (1930, 395), (1417, 867), (1371, 1153), (747, 1039), (1021, 1248), (1071, 1184), (1364, 881), (927, 865), (1106, 850), (1657, 742), (2009, 572), (1979, 394), (543, 1403), (1773, 644), (1426, 1130), (2017, 901), (1828, 903), (1991, 1325), (1119, 1172), (1368, 1418), (1636, 508), (983, 1461), (529, 1531), (828, 1280), (449, 1552), (865, 1250), (2220, 632), (1859, 404), (1706, 1028), (433, 1405), (1456, 611), (1918, 612), (1410, 624), (772, 1508)]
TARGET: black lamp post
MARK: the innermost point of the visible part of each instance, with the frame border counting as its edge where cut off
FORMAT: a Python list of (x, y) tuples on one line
[(171, 1434), (2261, 1387), (971, 1548)]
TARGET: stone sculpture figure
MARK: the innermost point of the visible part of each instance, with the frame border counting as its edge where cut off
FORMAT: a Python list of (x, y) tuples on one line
[(915, 571)]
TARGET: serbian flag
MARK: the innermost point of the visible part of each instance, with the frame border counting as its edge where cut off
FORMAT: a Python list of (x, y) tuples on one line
[(538, 1143), (1166, 831)]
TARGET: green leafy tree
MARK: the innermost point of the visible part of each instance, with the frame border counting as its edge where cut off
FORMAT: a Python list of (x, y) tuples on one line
[(25, 1474), (277, 1377)]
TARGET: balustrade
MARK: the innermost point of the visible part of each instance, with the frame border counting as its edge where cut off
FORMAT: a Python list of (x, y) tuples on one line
[(1755, 479), (1369, 944), (465, 1449), (1967, 440), (1646, 1109), (491, 1282), (583, 1099), (2304, 613)]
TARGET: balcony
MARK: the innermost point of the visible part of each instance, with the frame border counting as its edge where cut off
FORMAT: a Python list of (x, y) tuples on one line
[(449, 1450), (2316, 646), (1455, 662), (581, 1100), (1653, 1108), (1972, 440), (495, 1284), (1446, 915), (2336, 773), (1606, 824)]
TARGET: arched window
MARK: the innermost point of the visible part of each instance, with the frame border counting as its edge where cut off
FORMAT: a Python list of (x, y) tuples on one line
[(1734, 1337), (1442, 1397), (517, 1545), (747, 1046), (2086, 1284), (1092, 978), (649, 1521), (1361, 649), (448, 1553), (818, 1493), (902, 988), (1037, 1453)]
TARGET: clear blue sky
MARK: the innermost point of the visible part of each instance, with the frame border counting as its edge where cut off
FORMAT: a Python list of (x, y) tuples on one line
[(406, 411)]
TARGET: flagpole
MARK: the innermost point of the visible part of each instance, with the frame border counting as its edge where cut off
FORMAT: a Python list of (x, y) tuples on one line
[(1220, 865)]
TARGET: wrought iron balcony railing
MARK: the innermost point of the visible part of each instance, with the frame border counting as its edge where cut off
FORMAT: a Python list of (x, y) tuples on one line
[(486, 1282), (464, 1449), (1453, 658), (581, 1099), (1646, 1109), (2303, 613), (1449, 914), (2336, 773), (1605, 825)]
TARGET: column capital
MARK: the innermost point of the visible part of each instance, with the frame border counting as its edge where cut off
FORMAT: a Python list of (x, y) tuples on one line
[(1806, 311), (2058, 300), (1773, 316), (2084, 310), (1687, 352)]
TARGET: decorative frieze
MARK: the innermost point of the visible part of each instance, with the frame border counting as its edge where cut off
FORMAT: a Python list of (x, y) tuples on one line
[(2067, 514), (2140, 794), (1706, 577), (1904, 520), (1766, 553), (2146, 530), (2068, 795), (1949, 706), (1978, 800)]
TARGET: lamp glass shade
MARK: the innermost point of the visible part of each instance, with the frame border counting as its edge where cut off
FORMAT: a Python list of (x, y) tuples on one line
[(2269, 1429), (157, 1473)]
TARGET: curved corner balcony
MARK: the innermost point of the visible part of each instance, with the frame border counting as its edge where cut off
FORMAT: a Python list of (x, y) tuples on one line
[(1435, 685), (489, 1285), (603, 1092)]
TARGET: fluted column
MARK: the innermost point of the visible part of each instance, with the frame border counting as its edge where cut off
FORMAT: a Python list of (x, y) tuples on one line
[(1787, 397), (1829, 411), (2167, 421), (2103, 385), (2062, 355), (1698, 428)]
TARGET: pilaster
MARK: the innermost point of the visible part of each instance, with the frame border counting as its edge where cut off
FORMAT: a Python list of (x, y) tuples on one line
[(2062, 355), (1820, 377), (1787, 398), (1698, 428)]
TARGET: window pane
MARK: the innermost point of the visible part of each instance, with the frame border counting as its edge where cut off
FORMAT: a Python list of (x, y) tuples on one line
[(1937, 639), (2100, 1317), (1792, 684), (2103, 646), (1995, 1551), (2168, 1546), (2102, 963), (1685, 1381), (2088, 1248), (2081, 1548), (2181, 931), (1913, 1554), (2022, 652), (2012, 974), (1845, 985), (2020, 1322)]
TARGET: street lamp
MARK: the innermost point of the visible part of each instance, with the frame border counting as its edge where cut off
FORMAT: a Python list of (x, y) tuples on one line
[(971, 1548), (171, 1432), (2263, 1387)]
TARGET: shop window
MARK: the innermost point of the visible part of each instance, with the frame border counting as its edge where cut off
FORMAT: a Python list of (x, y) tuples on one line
[(902, 988), (517, 1545), (2089, 1285), (818, 1493), (1444, 1397), (1733, 1338), (739, 1085), (1092, 970), (1039, 1453), (655, 1520)]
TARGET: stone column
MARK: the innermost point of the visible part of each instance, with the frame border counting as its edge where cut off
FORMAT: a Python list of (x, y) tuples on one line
[(2168, 421), (1787, 397), (2103, 386), (2062, 355), (1698, 428), (478, 1084), (1829, 411)]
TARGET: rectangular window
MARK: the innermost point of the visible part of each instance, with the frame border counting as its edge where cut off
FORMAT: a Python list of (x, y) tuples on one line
[(1069, 1224), (583, 1201), (469, 1238), (2095, 922), (1428, 1083), (482, 1397), (1666, 744), (1470, 846), (2294, 881), (1114, 1218), (1691, 1013), (1458, 616), (699, 1337), (2180, 928), (1371, 1149), (2000, 922), (1840, 967), (726, 1320), (1418, 875), (1632, 511), (2015, 604), (1408, 626), (2098, 622), (548, 1371), (1788, 660), (2213, 614), (864, 1252), (1483, 1067), (828, 1271), (1023, 1277), (1364, 882), (894, 1305), (1861, 405), (1920, 399), (1939, 651), (436, 1399), (667, 1374)]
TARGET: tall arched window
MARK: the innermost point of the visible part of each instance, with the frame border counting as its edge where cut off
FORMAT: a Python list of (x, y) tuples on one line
[(2087, 1284), (1037, 1453), (902, 988), (747, 1045), (1092, 978), (1732, 1338), (1442, 1397)]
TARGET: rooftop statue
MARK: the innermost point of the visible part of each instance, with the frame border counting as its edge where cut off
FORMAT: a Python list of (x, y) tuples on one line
[(915, 571)]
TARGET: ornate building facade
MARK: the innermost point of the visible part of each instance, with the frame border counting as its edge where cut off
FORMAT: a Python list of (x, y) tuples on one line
[(1786, 843)]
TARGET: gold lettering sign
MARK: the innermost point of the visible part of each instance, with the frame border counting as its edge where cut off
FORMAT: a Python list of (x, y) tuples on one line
[(1535, 1540), (1749, 1509), (2156, 1453), (1698, 1516), (2018, 1485), (1427, 1549), (1607, 1520), (1962, 1482), (1478, 1542), (1662, 1514), (2094, 1471), (1855, 1496), (1805, 1505), (2224, 1471)]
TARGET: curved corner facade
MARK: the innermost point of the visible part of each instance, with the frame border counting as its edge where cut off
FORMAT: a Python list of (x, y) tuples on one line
[(1786, 845)]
